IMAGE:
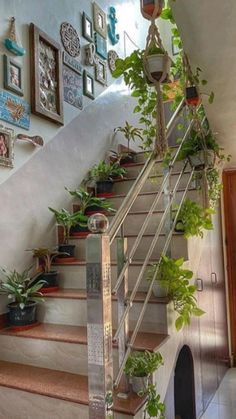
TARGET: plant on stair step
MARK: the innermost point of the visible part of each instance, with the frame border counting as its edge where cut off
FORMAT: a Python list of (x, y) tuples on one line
[(68, 220), (171, 275), (139, 367), (193, 219), (130, 133), (103, 174), (24, 290), (89, 203), (154, 407), (44, 259)]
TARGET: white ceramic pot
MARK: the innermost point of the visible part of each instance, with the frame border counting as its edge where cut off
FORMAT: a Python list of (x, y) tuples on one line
[(139, 384), (157, 63), (159, 290), (202, 159)]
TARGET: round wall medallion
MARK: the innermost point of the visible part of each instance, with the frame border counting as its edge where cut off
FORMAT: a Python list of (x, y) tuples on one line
[(70, 39), (112, 57)]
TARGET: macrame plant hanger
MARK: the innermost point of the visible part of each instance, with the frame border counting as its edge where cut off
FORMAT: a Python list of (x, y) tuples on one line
[(154, 39)]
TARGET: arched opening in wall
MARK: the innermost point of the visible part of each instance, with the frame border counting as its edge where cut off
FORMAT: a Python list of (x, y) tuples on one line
[(184, 391)]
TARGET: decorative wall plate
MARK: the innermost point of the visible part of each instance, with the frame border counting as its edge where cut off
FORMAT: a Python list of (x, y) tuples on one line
[(112, 57), (70, 39)]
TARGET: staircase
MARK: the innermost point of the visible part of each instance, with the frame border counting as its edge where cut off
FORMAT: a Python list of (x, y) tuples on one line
[(43, 370)]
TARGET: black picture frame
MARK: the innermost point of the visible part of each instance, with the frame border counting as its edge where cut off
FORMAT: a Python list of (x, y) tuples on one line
[(13, 72), (87, 33), (88, 85)]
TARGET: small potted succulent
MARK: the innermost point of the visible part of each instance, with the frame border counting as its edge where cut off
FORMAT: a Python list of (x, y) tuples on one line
[(139, 367), (156, 63), (90, 204), (24, 290), (45, 258), (130, 133), (68, 220), (103, 174)]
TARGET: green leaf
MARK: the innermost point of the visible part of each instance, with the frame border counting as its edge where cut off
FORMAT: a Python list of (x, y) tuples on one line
[(211, 98), (196, 311)]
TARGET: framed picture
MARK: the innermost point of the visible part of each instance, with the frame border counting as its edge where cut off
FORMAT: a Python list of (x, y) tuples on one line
[(88, 85), (100, 20), (46, 76), (14, 109), (6, 147), (73, 87), (101, 71), (87, 27), (72, 63), (175, 48), (101, 46), (12, 75)]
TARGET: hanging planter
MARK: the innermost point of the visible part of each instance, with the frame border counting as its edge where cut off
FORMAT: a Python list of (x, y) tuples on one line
[(151, 9), (202, 159), (192, 96), (157, 64)]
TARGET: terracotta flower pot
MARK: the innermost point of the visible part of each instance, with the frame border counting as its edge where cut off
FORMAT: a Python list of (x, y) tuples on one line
[(192, 96)]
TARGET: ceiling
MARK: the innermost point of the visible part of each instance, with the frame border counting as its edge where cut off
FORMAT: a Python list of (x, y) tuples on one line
[(208, 30)]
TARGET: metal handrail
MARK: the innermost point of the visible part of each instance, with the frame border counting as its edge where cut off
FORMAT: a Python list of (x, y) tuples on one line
[(140, 318), (140, 181)]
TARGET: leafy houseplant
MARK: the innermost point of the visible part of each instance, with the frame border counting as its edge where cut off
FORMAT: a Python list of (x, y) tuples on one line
[(156, 63), (24, 290), (90, 204), (193, 219), (45, 257), (68, 220), (139, 367), (103, 173), (170, 273), (130, 133), (154, 407)]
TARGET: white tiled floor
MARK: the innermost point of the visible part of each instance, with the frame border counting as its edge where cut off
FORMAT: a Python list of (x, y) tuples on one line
[(223, 405)]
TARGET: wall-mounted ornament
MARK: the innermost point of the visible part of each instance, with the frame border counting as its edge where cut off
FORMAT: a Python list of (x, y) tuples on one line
[(112, 57), (87, 27), (12, 75), (88, 85), (35, 140), (46, 76), (111, 28), (101, 45), (72, 63), (6, 146), (90, 54), (70, 39), (73, 87), (101, 71), (100, 20), (11, 42), (14, 110)]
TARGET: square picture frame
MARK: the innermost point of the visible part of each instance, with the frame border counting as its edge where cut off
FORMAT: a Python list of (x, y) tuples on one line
[(46, 76), (99, 20), (101, 71), (6, 146), (101, 45), (87, 27), (12, 75), (73, 87), (88, 85)]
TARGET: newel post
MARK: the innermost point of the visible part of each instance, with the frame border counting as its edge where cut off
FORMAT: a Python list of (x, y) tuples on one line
[(99, 320)]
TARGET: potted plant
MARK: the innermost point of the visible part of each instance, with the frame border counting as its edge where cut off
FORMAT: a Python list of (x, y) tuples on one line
[(154, 407), (24, 291), (139, 367), (68, 220), (201, 150), (103, 173), (130, 133), (180, 291), (45, 258), (157, 62), (193, 219), (90, 204)]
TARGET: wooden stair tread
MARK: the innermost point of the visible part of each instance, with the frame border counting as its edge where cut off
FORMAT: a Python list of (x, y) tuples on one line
[(57, 384), (123, 195), (81, 294), (78, 335)]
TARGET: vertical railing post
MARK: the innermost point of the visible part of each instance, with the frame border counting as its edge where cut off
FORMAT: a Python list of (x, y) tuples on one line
[(122, 295), (167, 199), (99, 326)]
